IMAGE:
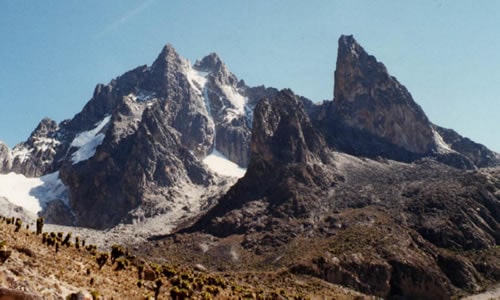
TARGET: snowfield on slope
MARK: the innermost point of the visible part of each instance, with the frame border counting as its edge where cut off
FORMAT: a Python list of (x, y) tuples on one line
[(221, 165), (88, 141), (32, 194)]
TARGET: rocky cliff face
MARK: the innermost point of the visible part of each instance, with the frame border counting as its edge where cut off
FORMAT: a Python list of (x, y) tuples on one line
[(373, 115), (288, 156), (137, 169), (366, 97)]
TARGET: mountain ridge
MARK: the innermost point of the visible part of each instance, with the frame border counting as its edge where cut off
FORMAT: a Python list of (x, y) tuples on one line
[(365, 178)]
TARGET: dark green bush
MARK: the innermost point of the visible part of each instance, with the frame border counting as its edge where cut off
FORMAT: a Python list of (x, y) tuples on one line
[(101, 259), (116, 252), (121, 263)]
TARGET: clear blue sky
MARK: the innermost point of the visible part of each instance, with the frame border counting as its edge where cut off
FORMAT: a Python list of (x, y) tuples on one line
[(447, 53)]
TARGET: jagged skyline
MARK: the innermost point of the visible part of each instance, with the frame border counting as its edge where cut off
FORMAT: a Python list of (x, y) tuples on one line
[(54, 55)]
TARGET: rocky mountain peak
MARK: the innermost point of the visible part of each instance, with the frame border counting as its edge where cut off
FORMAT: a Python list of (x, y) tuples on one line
[(167, 57), (45, 128), (210, 63), (214, 65), (367, 98), (282, 131)]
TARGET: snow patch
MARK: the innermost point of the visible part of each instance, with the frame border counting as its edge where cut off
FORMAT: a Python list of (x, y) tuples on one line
[(235, 98), (221, 165), (142, 96), (197, 79), (88, 141), (442, 147), (32, 194)]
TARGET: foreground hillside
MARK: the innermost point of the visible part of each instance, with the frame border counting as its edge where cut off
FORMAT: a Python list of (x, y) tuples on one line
[(35, 271)]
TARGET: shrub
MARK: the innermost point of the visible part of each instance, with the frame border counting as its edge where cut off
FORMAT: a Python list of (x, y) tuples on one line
[(140, 269), (101, 259), (18, 224), (39, 225), (66, 240), (116, 252), (179, 294), (168, 271), (121, 263), (95, 295), (158, 284), (206, 296), (4, 255), (213, 290)]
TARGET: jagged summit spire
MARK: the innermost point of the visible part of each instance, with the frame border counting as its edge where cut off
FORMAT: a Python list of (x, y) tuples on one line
[(168, 51), (370, 99), (210, 63), (167, 58), (213, 64), (353, 61)]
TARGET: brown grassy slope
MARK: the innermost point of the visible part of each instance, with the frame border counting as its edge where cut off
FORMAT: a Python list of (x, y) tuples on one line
[(36, 268)]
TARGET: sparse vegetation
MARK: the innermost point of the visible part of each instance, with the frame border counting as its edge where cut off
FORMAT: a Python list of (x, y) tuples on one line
[(86, 270)]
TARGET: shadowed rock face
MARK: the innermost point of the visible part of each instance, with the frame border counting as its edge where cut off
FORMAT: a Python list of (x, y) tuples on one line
[(373, 115), (125, 172), (286, 167), (366, 97)]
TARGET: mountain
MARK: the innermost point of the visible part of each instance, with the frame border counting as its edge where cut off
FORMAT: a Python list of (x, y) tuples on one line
[(143, 139), (185, 161)]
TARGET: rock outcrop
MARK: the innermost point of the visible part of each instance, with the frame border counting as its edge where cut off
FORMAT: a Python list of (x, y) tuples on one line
[(367, 98), (373, 115), (287, 157), (138, 169)]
